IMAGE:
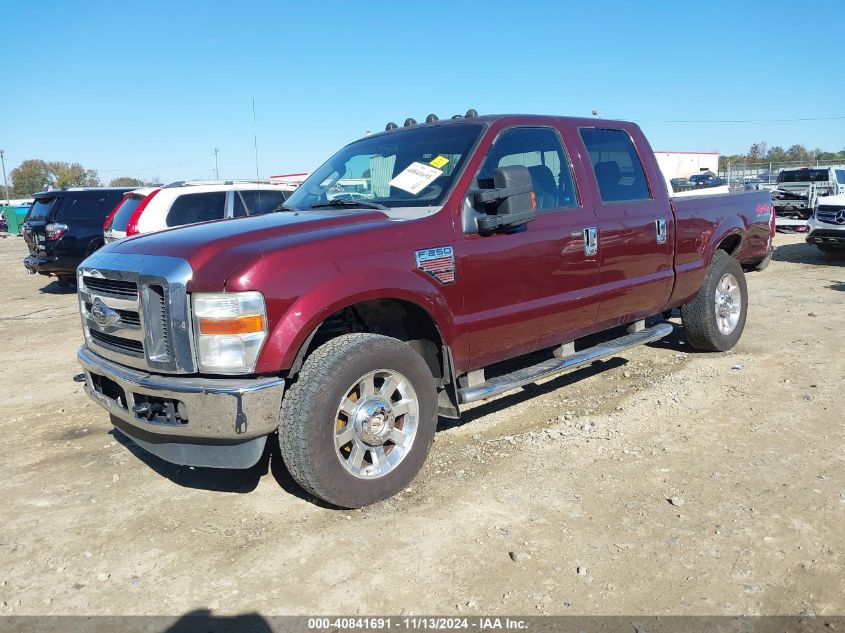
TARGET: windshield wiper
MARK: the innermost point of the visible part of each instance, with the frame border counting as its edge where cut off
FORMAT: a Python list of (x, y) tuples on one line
[(284, 207), (350, 203)]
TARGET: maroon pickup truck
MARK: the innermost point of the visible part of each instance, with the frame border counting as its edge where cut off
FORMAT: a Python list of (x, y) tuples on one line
[(390, 284)]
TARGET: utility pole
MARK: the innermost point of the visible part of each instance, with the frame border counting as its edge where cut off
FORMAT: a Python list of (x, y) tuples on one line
[(216, 171), (5, 182)]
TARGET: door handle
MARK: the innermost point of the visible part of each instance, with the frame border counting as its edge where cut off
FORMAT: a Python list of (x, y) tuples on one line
[(660, 229), (591, 241)]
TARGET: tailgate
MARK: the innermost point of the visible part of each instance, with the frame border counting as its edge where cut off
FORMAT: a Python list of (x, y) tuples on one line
[(36, 219)]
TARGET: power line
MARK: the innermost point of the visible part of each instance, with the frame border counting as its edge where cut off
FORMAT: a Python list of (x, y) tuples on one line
[(822, 118)]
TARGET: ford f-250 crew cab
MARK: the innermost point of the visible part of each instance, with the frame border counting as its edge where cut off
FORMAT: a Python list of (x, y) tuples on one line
[(347, 326)]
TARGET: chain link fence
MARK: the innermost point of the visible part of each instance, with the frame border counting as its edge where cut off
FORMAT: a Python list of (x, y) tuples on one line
[(767, 172)]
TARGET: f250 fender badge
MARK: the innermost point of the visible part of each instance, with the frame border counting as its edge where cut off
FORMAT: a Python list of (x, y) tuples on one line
[(439, 262)]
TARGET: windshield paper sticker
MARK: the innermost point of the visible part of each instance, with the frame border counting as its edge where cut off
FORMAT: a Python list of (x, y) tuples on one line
[(438, 162), (438, 262), (415, 178)]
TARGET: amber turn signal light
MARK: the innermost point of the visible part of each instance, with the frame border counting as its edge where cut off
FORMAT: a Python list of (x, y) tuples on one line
[(236, 325)]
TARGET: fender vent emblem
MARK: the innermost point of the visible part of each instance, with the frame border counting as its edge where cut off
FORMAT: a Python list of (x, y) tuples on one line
[(438, 262)]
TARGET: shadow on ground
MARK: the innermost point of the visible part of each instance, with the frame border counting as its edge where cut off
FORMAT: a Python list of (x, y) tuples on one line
[(57, 288), (803, 253), (240, 481)]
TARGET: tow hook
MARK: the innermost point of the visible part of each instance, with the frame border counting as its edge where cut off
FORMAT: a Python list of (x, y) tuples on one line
[(79, 378)]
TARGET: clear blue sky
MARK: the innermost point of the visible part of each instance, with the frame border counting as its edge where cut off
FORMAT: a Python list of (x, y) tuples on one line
[(124, 87)]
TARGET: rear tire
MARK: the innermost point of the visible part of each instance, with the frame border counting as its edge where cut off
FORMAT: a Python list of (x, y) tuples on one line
[(715, 319), (357, 425)]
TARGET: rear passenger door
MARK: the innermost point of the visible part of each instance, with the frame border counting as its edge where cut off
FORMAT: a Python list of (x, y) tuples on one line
[(635, 233)]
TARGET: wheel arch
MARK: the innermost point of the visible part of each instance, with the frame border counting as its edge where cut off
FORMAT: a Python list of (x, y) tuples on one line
[(389, 314)]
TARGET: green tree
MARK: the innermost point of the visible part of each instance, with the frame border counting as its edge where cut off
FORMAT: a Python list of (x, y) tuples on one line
[(30, 177), (73, 175), (797, 153), (757, 151), (126, 181), (776, 154)]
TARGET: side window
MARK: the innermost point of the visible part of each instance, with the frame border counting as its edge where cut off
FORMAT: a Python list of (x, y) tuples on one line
[(539, 149), (85, 207), (616, 164), (261, 201), (197, 207), (239, 209), (840, 176)]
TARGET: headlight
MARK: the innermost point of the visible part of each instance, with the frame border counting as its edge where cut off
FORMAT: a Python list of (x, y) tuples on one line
[(229, 329)]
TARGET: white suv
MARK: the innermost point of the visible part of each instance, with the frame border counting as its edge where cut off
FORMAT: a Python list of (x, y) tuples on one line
[(826, 227), (157, 208)]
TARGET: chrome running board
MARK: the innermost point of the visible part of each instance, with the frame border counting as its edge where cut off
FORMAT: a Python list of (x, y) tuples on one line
[(548, 368)]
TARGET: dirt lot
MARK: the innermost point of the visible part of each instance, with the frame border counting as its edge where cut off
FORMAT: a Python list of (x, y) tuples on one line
[(551, 500)]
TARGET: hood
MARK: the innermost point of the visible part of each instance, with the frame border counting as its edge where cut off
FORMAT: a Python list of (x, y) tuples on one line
[(216, 249)]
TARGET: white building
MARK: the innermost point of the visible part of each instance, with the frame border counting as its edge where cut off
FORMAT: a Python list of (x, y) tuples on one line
[(685, 164)]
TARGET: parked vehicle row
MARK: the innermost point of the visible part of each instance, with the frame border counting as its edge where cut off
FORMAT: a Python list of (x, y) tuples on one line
[(156, 208), (799, 190), (63, 227), (343, 325)]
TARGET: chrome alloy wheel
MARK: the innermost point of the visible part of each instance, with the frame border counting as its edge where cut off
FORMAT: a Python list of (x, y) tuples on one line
[(728, 303), (376, 424)]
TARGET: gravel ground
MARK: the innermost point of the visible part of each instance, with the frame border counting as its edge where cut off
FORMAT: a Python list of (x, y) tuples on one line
[(664, 482)]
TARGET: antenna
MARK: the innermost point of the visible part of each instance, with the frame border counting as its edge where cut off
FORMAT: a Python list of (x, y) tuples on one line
[(255, 139), (216, 171)]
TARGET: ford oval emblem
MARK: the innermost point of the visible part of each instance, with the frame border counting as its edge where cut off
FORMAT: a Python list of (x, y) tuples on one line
[(103, 314)]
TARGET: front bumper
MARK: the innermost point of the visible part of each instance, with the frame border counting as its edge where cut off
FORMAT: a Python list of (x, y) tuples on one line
[(214, 422)]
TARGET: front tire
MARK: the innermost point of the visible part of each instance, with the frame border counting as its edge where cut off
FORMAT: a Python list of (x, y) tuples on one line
[(715, 319), (357, 425)]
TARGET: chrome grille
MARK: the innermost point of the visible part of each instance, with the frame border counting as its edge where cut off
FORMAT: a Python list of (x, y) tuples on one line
[(827, 214), (135, 310), (112, 287), (118, 344)]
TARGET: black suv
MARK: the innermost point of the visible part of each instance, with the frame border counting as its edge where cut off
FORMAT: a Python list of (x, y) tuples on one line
[(64, 227)]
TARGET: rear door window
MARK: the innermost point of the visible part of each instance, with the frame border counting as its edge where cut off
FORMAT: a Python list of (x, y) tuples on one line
[(197, 207), (616, 165), (259, 201), (40, 210)]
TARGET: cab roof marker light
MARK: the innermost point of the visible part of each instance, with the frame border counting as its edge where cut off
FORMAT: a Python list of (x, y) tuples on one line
[(409, 122), (390, 126), (472, 113), (431, 118)]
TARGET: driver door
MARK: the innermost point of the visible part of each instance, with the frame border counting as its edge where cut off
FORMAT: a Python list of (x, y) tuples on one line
[(530, 288)]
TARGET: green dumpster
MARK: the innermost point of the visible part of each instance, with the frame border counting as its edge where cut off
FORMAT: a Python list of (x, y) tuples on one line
[(14, 217)]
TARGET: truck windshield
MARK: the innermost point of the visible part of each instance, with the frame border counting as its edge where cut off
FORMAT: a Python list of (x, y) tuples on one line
[(409, 167), (804, 175)]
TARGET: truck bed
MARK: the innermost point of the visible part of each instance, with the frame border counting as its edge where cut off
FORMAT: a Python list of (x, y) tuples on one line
[(746, 218)]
